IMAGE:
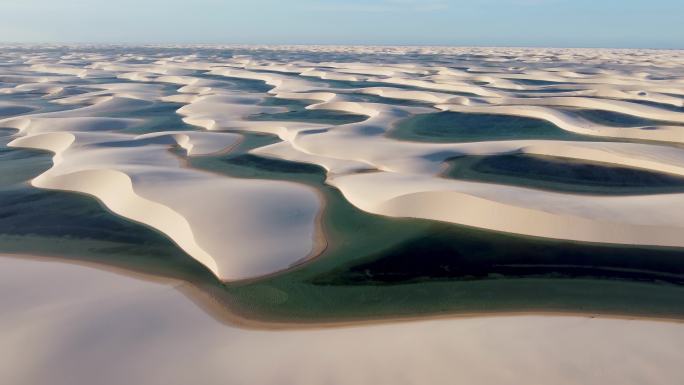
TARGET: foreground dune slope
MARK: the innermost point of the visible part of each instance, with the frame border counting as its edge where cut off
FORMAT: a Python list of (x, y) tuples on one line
[(76, 324)]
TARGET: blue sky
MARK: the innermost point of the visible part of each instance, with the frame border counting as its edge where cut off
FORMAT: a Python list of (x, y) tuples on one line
[(558, 23)]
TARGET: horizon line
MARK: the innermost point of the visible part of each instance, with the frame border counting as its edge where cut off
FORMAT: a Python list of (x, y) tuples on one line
[(369, 45)]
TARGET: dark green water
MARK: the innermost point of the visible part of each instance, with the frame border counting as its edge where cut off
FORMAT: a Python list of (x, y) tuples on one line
[(367, 98), (157, 116), (10, 111), (374, 266), (75, 227), (377, 266), (238, 84), (616, 119), (536, 82), (311, 116), (562, 174), (453, 127)]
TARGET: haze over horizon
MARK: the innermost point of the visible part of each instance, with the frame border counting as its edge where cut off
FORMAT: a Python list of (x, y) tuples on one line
[(545, 23)]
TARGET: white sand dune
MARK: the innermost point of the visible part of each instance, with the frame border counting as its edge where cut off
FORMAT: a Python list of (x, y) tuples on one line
[(626, 220), (68, 324), (60, 69), (232, 226), (235, 226)]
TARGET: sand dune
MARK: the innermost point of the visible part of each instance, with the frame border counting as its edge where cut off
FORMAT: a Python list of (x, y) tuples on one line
[(75, 324), (235, 226), (544, 214)]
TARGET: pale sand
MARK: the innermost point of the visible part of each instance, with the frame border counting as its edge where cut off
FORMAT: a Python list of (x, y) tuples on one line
[(70, 324), (243, 229), (235, 228)]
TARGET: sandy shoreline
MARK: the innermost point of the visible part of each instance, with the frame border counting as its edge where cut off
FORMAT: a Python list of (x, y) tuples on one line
[(221, 311), (84, 325)]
